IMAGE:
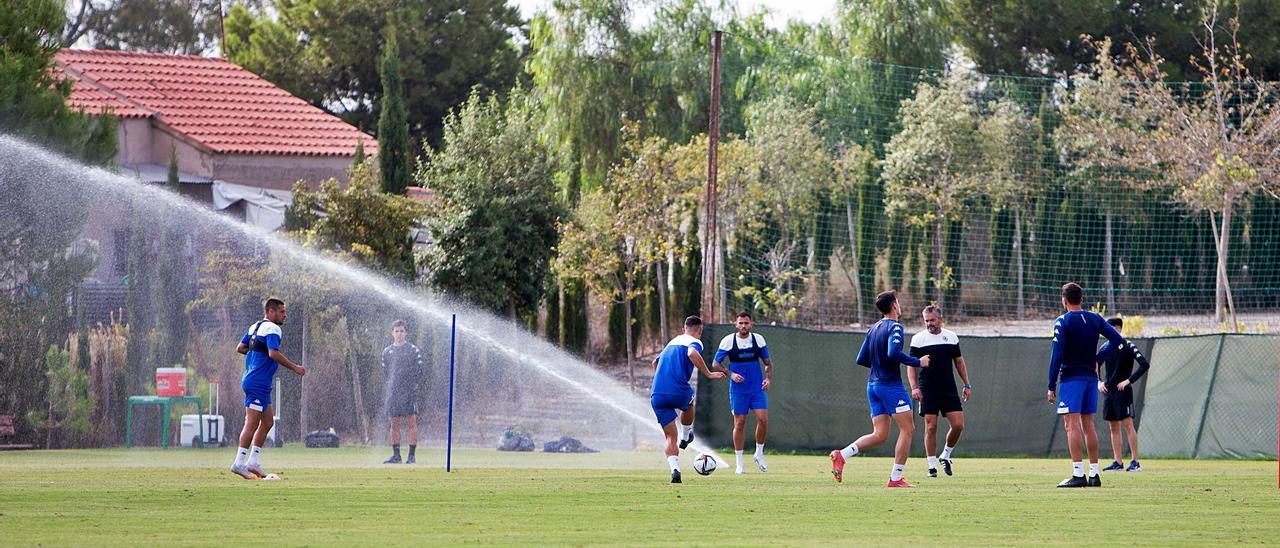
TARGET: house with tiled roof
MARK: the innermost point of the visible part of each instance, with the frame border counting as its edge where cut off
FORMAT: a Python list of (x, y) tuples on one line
[(228, 125), (241, 141)]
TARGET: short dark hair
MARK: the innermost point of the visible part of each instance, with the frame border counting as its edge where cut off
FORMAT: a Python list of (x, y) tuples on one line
[(1073, 293), (884, 301), (1116, 321), (932, 309), (400, 323), (272, 304), (746, 315), (692, 321)]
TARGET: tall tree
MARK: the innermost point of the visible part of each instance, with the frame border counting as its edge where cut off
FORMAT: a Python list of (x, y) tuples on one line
[(393, 125), (931, 168), (327, 52), (1048, 36), (1214, 142), (629, 226), (41, 266), (1010, 150), (494, 230), (191, 27), (1100, 137), (172, 287)]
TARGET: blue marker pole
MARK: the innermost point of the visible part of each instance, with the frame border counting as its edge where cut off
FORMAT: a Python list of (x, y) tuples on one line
[(448, 454)]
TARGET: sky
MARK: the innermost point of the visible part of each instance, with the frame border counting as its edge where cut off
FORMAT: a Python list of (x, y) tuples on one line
[(809, 11)]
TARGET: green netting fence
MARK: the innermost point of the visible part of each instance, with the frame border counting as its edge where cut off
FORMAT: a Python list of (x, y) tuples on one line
[(1033, 202), (1204, 396)]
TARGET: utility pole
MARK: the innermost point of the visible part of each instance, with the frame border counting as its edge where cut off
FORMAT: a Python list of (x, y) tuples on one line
[(710, 227)]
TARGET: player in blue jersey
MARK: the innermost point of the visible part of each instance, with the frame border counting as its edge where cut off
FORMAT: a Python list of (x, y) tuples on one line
[(672, 395), (261, 348), (1073, 380), (748, 389), (882, 352)]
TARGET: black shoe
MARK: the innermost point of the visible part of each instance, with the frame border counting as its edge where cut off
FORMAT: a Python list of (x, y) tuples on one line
[(1095, 480), (675, 476), (946, 465), (1114, 466), (395, 459), (409, 460), (684, 442), (1074, 481), (933, 472)]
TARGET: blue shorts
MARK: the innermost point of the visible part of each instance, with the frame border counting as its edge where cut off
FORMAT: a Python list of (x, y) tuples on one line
[(666, 405), (257, 399), (741, 402), (1078, 396), (888, 399)]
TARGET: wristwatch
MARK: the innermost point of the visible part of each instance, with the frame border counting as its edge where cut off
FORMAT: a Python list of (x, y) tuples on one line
[(968, 386)]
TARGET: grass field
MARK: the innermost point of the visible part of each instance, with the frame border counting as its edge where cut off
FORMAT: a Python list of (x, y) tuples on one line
[(342, 496)]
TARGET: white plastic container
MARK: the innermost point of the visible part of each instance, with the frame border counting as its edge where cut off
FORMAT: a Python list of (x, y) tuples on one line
[(214, 431)]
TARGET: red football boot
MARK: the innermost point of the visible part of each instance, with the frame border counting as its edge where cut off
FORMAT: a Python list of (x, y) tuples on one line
[(837, 466), (899, 483)]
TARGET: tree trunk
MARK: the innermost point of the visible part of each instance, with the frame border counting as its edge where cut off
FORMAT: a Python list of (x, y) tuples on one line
[(1223, 286), (664, 325), (560, 317), (631, 370), (303, 421), (362, 416), (108, 378), (855, 263), (511, 309), (1017, 253), (939, 260), (1107, 262)]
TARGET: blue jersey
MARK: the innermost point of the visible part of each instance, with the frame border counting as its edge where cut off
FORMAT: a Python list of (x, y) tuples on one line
[(744, 355), (882, 352), (1075, 343), (675, 367), (259, 368)]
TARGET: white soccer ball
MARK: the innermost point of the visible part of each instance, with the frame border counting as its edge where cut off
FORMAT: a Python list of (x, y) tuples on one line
[(272, 477), (704, 465)]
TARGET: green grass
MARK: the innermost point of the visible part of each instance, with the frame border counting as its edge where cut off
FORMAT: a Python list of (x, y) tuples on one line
[(185, 496)]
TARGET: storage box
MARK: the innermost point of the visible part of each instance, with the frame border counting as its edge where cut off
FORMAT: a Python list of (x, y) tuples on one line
[(171, 381), (214, 430)]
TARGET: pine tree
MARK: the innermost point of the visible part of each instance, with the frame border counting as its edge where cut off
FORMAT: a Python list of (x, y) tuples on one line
[(393, 125)]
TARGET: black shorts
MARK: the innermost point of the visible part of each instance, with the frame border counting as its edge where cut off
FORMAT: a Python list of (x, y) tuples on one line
[(939, 402), (402, 406), (1118, 405)]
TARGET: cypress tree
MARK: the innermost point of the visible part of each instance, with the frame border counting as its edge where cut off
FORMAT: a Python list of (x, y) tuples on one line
[(393, 124)]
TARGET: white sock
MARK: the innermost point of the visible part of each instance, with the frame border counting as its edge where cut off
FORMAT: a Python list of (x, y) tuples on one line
[(1093, 469), (849, 451), (738, 454), (759, 449), (933, 462), (897, 472), (946, 452), (686, 432), (1077, 469), (241, 454), (674, 462), (253, 455)]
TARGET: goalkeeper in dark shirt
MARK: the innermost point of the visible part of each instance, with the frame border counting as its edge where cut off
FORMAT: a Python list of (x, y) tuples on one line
[(1118, 387)]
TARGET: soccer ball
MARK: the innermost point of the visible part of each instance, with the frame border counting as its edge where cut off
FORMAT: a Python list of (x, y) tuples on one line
[(704, 465), (271, 477)]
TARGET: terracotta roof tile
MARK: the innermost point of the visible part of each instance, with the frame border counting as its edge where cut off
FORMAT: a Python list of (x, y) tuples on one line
[(209, 100)]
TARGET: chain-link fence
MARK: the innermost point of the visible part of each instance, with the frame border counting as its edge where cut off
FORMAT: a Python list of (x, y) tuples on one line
[(1204, 396)]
